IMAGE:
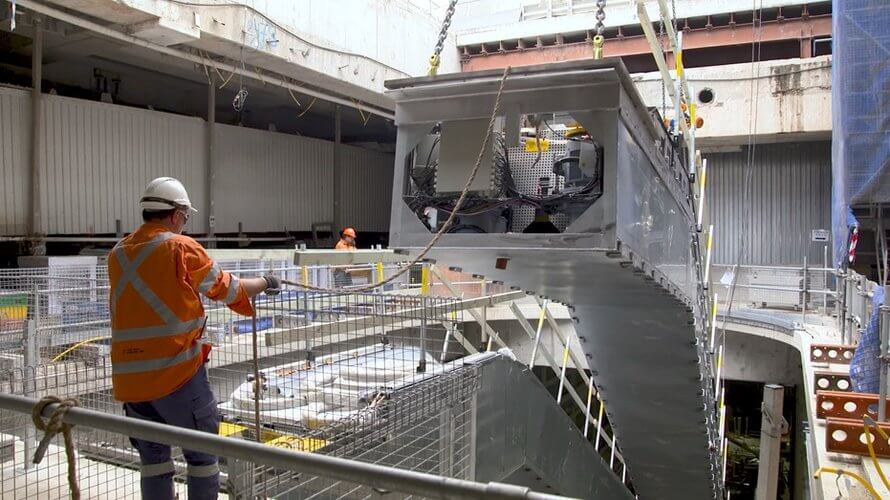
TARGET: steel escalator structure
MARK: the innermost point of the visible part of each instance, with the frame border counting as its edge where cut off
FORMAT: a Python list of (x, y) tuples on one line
[(583, 198)]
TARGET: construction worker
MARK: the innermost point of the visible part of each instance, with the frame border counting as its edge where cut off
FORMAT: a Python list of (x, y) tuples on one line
[(157, 276), (347, 240)]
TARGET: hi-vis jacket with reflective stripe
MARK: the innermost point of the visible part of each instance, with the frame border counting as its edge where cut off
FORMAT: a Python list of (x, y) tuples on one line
[(156, 314)]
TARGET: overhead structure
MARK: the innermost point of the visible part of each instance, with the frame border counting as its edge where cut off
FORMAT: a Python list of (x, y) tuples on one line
[(582, 197)]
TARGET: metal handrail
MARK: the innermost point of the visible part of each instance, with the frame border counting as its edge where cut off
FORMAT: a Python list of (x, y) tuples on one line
[(378, 476)]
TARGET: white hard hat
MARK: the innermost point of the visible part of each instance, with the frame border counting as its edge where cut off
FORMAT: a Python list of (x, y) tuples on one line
[(165, 193)]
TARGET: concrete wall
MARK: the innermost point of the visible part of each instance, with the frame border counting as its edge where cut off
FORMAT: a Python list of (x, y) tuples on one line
[(758, 359), (349, 47), (775, 100)]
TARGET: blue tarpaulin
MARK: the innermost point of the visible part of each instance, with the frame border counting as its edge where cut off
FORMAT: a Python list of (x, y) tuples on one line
[(860, 110), (865, 367)]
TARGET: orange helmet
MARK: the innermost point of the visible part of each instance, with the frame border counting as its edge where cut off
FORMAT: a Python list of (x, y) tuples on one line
[(348, 232)]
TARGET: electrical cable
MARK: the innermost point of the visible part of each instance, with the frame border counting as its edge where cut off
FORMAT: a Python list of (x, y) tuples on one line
[(756, 47), (435, 239), (866, 421), (843, 472)]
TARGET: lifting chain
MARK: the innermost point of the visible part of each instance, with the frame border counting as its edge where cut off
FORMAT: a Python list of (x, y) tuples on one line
[(598, 40), (435, 59)]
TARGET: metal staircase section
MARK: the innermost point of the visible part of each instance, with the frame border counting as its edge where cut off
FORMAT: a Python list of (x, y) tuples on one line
[(523, 438), (629, 265)]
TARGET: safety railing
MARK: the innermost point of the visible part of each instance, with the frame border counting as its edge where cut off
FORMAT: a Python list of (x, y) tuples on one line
[(347, 345), (105, 468), (805, 289)]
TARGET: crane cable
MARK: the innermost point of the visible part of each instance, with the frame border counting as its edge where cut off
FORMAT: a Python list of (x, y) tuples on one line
[(436, 59), (446, 226), (598, 39)]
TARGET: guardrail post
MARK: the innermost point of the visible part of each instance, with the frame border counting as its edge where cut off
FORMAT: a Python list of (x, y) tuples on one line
[(240, 481), (884, 329), (30, 355), (421, 365), (804, 286), (825, 278)]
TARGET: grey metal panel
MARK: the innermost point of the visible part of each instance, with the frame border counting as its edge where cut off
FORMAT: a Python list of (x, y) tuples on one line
[(790, 196), (98, 158), (271, 181), (649, 220), (518, 426), (638, 324), (366, 181), (15, 127)]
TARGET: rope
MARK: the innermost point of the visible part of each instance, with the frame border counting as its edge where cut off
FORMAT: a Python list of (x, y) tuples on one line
[(445, 226), (308, 108), (50, 428)]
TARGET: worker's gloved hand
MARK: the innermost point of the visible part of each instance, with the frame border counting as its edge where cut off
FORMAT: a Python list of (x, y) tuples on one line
[(273, 285)]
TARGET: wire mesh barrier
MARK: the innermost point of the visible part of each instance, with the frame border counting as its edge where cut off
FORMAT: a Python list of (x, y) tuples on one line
[(383, 377), (371, 377), (795, 288)]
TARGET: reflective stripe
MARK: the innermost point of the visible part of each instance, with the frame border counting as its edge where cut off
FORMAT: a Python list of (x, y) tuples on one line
[(234, 285), (155, 364), (203, 470), (209, 280), (129, 270), (152, 470), (130, 334), (155, 302)]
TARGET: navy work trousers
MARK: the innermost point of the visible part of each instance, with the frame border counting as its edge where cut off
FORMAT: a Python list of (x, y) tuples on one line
[(192, 406)]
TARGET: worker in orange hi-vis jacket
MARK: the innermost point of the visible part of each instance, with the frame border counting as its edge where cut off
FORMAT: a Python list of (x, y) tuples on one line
[(347, 240), (157, 277)]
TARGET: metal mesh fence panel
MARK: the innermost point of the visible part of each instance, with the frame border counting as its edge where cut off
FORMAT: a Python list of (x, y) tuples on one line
[(371, 376)]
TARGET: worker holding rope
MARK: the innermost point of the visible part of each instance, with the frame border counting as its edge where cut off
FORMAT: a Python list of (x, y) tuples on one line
[(157, 276)]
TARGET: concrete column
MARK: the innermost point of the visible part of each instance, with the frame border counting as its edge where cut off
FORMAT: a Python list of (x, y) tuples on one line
[(338, 223), (772, 426), (211, 120), (35, 224)]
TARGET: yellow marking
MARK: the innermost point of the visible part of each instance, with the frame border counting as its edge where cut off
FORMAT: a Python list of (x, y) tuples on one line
[(229, 429), (679, 63), (714, 309), (298, 443), (13, 312), (304, 271), (531, 145), (380, 272), (425, 280)]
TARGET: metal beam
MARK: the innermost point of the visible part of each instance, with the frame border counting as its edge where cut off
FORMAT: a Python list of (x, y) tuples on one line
[(36, 127), (211, 121), (718, 36), (338, 223)]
